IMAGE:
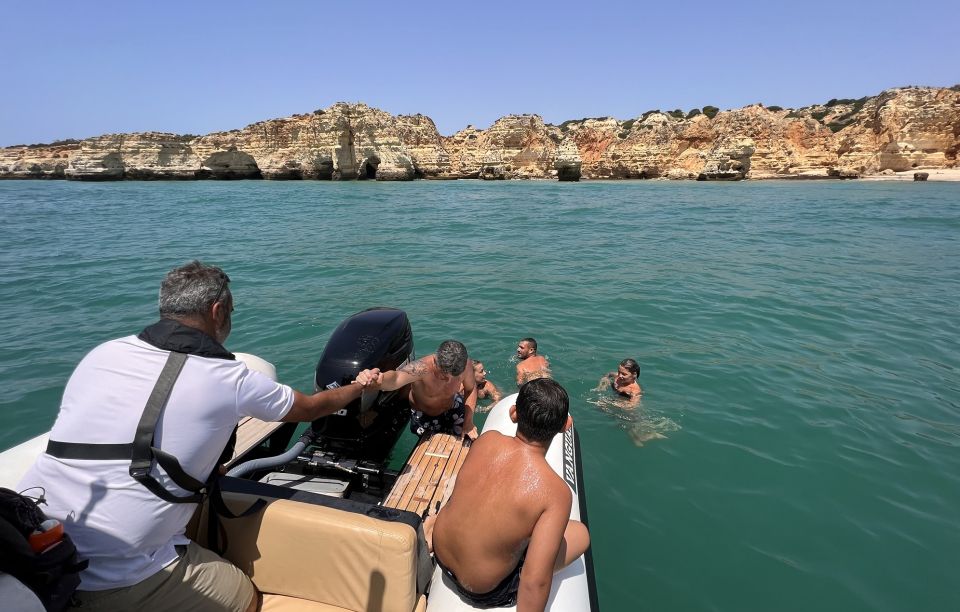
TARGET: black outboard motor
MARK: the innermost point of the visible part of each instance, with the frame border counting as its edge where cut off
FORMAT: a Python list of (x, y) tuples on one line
[(368, 427)]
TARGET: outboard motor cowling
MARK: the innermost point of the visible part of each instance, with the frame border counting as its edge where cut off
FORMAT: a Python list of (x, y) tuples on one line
[(366, 428)]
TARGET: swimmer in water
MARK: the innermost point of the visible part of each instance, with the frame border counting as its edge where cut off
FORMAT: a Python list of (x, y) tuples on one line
[(624, 382), (641, 426), (530, 364), (485, 388)]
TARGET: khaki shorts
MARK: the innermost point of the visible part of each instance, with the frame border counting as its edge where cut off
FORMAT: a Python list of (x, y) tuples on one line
[(200, 581)]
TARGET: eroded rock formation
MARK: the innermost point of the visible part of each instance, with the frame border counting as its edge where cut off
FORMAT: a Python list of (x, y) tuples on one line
[(343, 142), (37, 161), (515, 146), (901, 129), (898, 130)]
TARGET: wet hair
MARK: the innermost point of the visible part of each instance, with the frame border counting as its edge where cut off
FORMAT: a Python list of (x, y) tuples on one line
[(631, 366), (451, 357), (192, 289), (532, 343), (542, 409)]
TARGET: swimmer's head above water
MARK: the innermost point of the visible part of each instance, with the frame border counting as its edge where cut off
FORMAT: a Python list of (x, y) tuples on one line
[(526, 348), (479, 372), (627, 373)]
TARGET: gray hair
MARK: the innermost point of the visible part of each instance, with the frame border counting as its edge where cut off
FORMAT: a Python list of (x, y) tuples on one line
[(192, 289), (451, 357)]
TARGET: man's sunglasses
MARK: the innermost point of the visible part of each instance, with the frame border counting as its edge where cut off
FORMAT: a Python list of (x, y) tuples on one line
[(223, 283)]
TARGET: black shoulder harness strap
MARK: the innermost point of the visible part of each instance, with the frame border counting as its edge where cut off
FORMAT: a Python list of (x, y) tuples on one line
[(141, 451)]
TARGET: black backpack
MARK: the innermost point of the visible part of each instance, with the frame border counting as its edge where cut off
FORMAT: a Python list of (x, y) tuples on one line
[(52, 574)]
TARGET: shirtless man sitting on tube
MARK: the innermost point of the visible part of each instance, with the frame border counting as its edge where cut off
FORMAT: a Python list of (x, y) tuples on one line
[(509, 477)]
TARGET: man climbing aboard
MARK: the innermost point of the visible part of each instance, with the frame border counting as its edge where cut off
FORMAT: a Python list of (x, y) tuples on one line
[(442, 390)]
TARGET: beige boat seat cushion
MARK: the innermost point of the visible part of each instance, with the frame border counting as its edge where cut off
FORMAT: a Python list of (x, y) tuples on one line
[(333, 558), (281, 603)]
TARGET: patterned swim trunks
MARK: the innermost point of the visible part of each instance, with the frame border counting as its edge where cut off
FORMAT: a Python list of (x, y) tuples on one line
[(450, 422)]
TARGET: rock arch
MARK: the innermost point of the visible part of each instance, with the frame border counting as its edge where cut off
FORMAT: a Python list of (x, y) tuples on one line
[(368, 169)]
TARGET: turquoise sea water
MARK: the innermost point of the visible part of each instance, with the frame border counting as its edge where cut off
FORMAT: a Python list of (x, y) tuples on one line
[(798, 345)]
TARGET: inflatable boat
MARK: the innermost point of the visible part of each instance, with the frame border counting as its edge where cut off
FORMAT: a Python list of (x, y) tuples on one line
[(339, 529)]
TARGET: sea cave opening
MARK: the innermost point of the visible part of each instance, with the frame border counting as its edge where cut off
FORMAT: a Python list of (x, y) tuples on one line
[(368, 171)]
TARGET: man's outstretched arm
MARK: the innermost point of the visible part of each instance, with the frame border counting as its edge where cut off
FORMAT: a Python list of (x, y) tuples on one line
[(310, 407), (394, 379)]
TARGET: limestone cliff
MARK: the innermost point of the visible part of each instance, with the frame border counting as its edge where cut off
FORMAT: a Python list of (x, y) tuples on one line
[(143, 156), (425, 145), (343, 142), (900, 129), (515, 146), (37, 161)]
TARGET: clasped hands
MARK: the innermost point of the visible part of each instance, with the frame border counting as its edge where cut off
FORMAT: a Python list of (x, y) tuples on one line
[(370, 379)]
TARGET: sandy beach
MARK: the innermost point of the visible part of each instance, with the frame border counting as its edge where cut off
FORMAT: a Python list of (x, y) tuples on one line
[(936, 174)]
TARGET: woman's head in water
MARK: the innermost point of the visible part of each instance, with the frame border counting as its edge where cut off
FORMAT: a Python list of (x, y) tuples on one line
[(628, 372), (479, 372)]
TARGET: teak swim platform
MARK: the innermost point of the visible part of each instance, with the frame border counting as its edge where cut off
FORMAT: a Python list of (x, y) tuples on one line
[(422, 483)]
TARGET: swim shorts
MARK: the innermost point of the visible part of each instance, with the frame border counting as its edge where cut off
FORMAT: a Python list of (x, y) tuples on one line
[(503, 595), (450, 422)]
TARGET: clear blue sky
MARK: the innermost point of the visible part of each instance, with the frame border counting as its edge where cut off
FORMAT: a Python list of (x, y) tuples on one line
[(78, 69)]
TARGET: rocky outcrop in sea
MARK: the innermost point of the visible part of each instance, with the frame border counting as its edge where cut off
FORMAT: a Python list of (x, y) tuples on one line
[(898, 130)]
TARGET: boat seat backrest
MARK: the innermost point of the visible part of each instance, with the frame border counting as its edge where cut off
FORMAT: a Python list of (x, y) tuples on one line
[(322, 554)]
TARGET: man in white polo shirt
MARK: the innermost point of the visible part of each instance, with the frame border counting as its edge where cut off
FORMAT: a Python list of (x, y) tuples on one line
[(130, 526)]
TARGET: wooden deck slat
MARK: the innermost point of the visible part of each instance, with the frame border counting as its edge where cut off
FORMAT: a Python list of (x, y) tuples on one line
[(431, 475), (420, 471), (406, 476), (450, 468), (250, 433), (423, 479)]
